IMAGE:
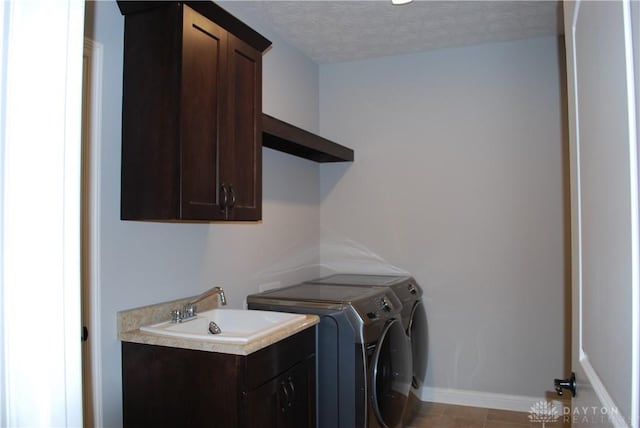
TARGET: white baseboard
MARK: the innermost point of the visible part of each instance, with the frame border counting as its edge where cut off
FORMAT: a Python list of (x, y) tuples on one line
[(490, 400)]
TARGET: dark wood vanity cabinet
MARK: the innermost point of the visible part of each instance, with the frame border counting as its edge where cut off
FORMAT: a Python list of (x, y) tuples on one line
[(169, 387), (191, 119)]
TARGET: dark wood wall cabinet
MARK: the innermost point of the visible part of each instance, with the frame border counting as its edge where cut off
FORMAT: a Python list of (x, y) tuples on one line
[(282, 136), (173, 387), (192, 111)]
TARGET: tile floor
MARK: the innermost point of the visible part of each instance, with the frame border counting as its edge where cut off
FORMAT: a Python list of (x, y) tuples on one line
[(438, 415)]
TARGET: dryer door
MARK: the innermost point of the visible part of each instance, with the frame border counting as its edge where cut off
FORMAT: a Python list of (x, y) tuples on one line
[(392, 373), (418, 333)]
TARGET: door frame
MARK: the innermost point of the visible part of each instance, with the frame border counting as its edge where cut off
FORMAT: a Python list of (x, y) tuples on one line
[(91, 172)]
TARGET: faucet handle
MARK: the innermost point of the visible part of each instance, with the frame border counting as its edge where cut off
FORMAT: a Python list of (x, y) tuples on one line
[(176, 315), (189, 310)]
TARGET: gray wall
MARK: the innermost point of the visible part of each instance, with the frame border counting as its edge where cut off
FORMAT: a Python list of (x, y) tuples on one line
[(145, 263), (458, 179)]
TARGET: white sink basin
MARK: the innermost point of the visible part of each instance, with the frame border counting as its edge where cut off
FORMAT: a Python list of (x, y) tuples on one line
[(236, 325)]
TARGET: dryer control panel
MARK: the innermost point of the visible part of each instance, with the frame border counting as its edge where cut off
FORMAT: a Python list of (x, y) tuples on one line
[(381, 307)]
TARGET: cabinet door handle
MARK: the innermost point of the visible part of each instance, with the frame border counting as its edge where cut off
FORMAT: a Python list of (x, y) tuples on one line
[(232, 192), (286, 403), (292, 386), (224, 202), (225, 196)]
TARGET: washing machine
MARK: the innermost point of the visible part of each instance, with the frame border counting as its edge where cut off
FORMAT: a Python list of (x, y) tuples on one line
[(363, 356), (414, 320)]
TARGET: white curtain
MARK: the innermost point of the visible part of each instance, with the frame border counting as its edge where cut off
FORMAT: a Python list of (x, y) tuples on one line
[(40, 124)]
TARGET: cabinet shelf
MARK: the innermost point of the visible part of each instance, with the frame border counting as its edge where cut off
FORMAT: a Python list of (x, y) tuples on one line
[(282, 136)]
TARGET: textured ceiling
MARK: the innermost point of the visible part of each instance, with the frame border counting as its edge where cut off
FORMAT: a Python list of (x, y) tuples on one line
[(336, 31)]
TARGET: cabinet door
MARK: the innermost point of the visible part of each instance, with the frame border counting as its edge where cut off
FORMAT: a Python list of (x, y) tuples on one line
[(203, 80), (285, 401), (174, 387), (242, 143)]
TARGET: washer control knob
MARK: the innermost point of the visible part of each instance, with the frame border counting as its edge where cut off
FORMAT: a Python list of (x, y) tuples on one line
[(372, 315), (385, 305), (412, 289)]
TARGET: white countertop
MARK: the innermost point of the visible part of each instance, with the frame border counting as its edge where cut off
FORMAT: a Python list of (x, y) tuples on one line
[(130, 321)]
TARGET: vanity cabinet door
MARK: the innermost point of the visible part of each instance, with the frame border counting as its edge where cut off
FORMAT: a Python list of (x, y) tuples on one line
[(174, 387), (285, 401)]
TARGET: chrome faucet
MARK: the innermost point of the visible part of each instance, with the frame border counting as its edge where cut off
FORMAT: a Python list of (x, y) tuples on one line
[(208, 293), (188, 312)]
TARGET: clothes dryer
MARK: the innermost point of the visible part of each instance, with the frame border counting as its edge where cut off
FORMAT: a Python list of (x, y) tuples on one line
[(414, 320), (363, 355)]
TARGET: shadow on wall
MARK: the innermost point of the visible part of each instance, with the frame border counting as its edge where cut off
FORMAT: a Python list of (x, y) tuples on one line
[(335, 172), (334, 254), (340, 254)]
